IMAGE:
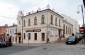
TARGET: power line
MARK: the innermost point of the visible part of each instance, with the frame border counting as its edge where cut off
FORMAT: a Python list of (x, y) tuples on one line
[(6, 17)]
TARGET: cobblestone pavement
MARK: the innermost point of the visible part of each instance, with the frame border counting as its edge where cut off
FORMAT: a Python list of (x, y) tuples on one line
[(54, 49)]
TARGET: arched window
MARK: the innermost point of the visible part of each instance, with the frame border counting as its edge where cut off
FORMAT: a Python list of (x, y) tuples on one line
[(51, 19), (24, 23), (59, 23), (29, 22), (19, 23), (66, 29), (35, 21), (43, 19), (56, 21)]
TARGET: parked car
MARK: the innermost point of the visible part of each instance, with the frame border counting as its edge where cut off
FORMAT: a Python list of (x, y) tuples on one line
[(8, 43), (2, 43), (5, 43), (72, 40), (79, 36)]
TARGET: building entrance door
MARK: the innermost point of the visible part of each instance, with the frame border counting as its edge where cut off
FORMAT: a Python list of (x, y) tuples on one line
[(19, 39)]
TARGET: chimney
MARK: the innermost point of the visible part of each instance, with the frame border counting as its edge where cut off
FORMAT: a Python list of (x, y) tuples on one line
[(14, 24), (6, 25)]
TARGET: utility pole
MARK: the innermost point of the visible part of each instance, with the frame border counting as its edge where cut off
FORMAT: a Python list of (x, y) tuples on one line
[(84, 24), (84, 3)]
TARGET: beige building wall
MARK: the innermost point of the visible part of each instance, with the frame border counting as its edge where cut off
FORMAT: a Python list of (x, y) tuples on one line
[(51, 30)]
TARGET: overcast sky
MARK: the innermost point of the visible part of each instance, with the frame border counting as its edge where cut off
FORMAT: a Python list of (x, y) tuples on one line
[(10, 8)]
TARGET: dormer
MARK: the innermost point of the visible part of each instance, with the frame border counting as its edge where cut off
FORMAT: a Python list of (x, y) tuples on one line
[(20, 14)]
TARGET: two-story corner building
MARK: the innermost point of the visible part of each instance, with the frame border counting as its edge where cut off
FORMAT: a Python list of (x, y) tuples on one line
[(11, 32), (67, 29), (39, 27)]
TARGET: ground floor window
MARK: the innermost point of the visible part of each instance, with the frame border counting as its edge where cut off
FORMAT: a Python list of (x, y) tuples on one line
[(43, 36), (19, 39), (29, 36), (35, 36)]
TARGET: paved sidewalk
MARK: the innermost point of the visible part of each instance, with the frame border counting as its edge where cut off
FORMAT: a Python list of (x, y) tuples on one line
[(54, 49)]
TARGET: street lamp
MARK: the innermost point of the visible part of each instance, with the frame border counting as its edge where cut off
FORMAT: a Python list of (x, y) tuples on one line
[(82, 12), (83, 41)]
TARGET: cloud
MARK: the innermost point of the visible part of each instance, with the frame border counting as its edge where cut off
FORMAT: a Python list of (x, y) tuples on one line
[(67, 7), (8, 13)]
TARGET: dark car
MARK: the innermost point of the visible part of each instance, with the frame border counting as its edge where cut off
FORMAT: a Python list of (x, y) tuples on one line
[(79, 36), (2, 43), (5, 43), (72, 40), (8, 43)]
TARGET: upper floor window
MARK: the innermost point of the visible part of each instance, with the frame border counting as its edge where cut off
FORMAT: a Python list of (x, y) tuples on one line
[(59, 23), (35, 21), (56, 21), (15, 30), (66, 29), (24, 23), (29, 22), (19, 22), (51, 19), (43, 19), (10, 30)]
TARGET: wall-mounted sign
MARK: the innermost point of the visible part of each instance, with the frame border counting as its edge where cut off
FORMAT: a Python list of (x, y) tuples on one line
[(28, 35), (34, 30)]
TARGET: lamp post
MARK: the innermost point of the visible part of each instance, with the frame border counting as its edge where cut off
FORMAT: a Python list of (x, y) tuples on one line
[(82, 12), (83, 40)]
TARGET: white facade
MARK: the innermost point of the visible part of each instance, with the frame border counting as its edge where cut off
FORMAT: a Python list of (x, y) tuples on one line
[(40, 30), (11, 32), (40, 27), (67, 29), (73, 22)]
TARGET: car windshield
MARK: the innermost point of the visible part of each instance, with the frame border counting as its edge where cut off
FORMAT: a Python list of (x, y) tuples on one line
[(71, 37)]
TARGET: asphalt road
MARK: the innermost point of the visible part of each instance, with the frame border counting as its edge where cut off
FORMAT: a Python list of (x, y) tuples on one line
[(14, 49), (54, 49)]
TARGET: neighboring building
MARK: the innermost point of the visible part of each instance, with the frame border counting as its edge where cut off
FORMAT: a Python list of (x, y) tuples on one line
[(73, 22), (11, 32), (67, 29), (2, 32), (39, 27)]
